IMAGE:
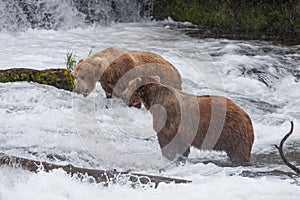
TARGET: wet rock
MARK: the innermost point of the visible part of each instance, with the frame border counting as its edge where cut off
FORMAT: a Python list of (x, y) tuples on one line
[(60, 78)]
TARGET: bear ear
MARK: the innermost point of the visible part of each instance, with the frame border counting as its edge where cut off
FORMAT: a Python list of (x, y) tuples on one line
[(132, 85), (156, 78), (96, 61), (80, 61), (138, 81)]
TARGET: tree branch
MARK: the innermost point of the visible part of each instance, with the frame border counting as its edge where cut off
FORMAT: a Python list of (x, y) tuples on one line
[(100, 176), (280, 149)]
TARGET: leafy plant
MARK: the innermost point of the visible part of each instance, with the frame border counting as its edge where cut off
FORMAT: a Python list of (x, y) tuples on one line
[(70, 61), (90, 52)]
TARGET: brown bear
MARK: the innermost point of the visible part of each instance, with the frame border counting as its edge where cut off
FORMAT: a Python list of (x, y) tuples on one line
[(182, 120), (114, 68)]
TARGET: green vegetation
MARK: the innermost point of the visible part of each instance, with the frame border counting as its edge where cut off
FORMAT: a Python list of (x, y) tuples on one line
[(271, 17), (60, 78), (70, 61), (90, 53)]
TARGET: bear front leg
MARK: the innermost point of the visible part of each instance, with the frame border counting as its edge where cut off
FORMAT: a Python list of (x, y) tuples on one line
[(168, 150), (175, 151), (108, 91), (240, 155), (182, 159), (187, 152), (172, 147), (169, 153)]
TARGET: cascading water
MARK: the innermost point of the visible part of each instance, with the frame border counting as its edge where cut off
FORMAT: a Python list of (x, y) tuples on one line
[(42, 123), (65, 14)]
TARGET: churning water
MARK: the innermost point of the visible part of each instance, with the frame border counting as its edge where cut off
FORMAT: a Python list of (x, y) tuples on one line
[(39, 121), (65, 14)]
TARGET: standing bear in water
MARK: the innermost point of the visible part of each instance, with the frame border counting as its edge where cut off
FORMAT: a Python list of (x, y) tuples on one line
[(182, 120), (114, 68)]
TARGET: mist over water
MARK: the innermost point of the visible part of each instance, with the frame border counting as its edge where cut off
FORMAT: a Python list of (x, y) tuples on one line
[(65, 14)]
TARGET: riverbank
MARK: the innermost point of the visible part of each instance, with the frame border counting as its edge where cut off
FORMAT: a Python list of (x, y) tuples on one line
[(277, 21)]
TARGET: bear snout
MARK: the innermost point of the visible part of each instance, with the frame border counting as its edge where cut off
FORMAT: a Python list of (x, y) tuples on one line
[(80, 90), (77, 90), (131, 104), (134, 103)]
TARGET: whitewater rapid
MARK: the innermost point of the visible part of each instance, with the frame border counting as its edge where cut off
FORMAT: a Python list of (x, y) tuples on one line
[(38, 120)]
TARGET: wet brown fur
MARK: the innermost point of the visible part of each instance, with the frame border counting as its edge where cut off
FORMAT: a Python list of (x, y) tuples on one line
[(236, 137), (110, 65)]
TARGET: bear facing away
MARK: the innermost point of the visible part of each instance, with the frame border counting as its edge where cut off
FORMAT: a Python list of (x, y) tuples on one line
[(182, 120), (114, 68)]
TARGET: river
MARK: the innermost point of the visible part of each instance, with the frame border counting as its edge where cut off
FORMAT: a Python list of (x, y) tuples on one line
[(41, 122)]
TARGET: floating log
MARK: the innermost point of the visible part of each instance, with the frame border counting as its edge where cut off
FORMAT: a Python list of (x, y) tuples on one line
[(100, 176), (60, 78)]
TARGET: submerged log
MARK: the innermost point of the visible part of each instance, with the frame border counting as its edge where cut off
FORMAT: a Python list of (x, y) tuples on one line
[(100, 176), (60, 78)]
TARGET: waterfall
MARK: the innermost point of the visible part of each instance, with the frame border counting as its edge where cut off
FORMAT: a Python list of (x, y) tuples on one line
[(65, 14)]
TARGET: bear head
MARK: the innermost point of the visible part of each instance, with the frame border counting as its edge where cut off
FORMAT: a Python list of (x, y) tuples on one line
[(87, 73), (136, 89)]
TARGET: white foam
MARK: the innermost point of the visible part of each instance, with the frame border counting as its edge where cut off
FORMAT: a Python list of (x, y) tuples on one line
[(38, 120)]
